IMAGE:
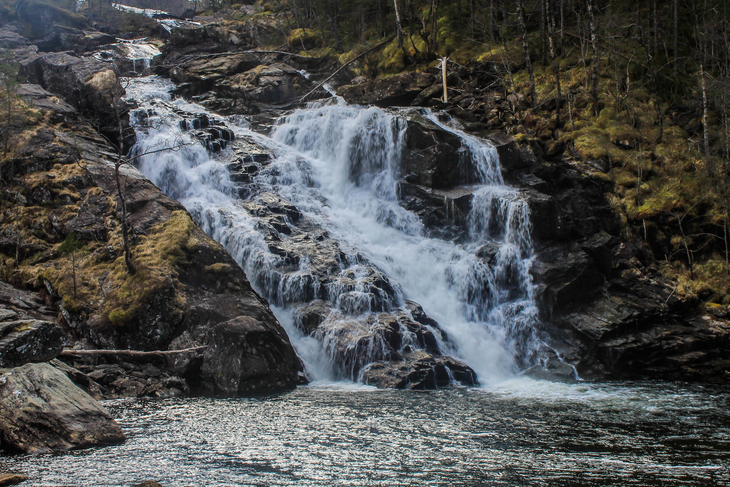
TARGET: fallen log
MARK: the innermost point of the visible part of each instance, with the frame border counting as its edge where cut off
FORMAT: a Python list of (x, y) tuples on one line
[(344, 66), (131, 353)]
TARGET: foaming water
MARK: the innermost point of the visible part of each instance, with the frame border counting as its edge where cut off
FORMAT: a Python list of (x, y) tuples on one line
[(339, 165), (523, 433)]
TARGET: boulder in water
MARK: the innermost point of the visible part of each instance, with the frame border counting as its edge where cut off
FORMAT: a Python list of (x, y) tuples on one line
[(11, 479), (42, 410), (247, 357), (418, 370)]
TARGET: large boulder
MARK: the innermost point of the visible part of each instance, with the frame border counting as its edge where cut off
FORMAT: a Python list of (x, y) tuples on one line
[(419, 370), (200, 73), (432, 156), (274, 83), (29, 341), (248, 357), (42, 411), (399, 90), (89, 85)]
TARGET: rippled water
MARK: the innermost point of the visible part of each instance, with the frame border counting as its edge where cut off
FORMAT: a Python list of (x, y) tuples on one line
[(522, 432)]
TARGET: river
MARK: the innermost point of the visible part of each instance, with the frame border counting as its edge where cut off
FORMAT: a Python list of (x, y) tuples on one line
[(520, 432)]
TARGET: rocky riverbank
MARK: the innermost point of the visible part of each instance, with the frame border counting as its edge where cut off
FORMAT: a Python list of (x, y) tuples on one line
[(63, 183)]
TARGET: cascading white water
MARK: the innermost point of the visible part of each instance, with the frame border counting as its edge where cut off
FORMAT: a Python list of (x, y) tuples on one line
[(339, 166)]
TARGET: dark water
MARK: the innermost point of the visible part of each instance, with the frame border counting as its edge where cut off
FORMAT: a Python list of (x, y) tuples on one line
[(522, 432)]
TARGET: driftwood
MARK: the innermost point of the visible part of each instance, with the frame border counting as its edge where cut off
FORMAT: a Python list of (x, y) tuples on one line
[(131, 353), (344, 66)]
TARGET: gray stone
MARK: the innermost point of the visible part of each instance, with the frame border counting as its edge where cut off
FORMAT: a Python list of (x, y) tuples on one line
[(248, 357), (29, 341), (43, 411)]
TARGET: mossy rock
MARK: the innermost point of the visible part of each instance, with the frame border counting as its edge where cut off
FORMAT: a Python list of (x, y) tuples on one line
[(304, 38)]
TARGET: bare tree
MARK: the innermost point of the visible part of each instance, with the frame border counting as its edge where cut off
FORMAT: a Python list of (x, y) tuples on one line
[(594, 44), (526, 47)]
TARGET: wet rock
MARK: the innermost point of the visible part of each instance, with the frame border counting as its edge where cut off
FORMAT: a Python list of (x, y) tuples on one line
[(418, 370), (551, 368), (399, 90), (29, 341), (511, 157), (432, 157), (11, 479), (566, 275), (311, 315), (148, 483), (247, 357), (42, 411), (442, 211)]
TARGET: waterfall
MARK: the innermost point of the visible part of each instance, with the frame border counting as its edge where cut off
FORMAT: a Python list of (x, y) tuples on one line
[(317, 219)]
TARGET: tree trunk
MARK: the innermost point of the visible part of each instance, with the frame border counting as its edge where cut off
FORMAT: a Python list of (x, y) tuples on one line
[(116, 95), (706, 123), (444, 67), (553, 57), (526, 47), (594, 45), (543, 23), (675, 14), (332, 13), (398, 27)]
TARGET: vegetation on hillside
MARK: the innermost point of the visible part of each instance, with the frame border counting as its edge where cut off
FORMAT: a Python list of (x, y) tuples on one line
[(636, 94)]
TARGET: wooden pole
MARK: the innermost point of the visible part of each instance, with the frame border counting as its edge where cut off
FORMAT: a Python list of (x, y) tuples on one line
[(444, 61)]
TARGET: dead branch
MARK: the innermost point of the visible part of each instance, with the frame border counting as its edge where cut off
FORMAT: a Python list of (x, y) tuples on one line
[(67, 352), (344, 66)]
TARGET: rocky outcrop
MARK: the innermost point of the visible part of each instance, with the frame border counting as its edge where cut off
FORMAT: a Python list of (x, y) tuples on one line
[(184, 284), (398, 90), (29, 341), (44, 411), (604, 311), (85, 83), (418, 370), (248, 357)]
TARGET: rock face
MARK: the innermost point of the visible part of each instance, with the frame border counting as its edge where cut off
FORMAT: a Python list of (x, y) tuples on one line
[(44, 411), (85, 83), (29, 341), (247, 357), (184, 283), (399, 90)]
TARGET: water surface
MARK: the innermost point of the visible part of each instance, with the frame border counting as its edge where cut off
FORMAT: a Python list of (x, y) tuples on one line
[(521, 432)]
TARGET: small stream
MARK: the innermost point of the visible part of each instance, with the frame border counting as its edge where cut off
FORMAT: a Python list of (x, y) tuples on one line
[(521, 432)]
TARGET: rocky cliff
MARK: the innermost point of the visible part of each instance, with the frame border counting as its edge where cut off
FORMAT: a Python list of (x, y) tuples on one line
[(60, 219)]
